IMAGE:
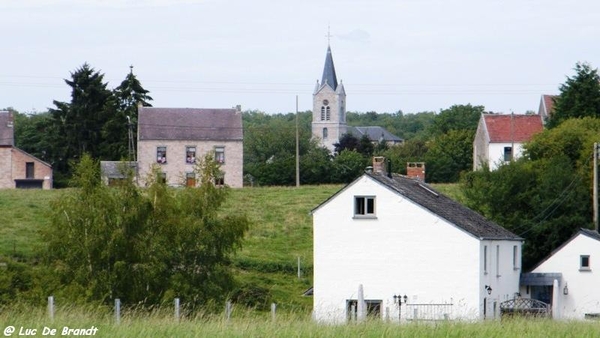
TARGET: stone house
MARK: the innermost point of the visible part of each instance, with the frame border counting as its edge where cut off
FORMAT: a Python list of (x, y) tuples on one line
[(173, 138), (19, 169)]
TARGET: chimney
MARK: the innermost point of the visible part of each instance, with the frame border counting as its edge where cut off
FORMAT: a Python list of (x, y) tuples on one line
[(416, 170), (379, 165), (10, 121)]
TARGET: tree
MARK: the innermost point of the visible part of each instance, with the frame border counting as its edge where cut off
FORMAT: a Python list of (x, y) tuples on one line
[(347, 166), (448, 155), (545, 194), (144, 246), (579, 96), (123, 118), (457, 117), (346, 142), (78, 124)]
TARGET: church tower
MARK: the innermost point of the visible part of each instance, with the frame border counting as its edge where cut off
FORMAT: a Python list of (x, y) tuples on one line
[(329, 106)]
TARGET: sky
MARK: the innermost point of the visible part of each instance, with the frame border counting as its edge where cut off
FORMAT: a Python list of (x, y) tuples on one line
[(392, 55)]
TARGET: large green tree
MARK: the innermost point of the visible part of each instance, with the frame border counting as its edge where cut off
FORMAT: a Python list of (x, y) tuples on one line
[(545, 195), (120, 130), (579, 96), (78, 124), (144, 246)]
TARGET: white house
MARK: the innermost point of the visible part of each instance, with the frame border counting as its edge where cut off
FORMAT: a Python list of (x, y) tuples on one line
[(568, 278), (389, 235), (499, 138)]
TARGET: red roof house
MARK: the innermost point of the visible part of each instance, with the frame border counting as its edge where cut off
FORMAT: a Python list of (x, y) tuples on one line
[(500, 137)]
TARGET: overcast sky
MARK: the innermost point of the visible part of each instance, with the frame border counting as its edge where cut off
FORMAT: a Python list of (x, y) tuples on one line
[(409, 55)]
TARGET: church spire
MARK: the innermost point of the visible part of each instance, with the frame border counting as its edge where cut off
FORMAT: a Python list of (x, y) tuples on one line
[(329, 76)]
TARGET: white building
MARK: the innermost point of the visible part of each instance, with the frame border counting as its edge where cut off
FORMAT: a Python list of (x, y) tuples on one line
[(499, 138), (568, 278), (390, 235)]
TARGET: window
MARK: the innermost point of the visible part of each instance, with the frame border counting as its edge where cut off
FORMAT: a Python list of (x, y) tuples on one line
[(29, 170), (190, 179), (584, 263), (322, 113), (508, 156), (190, 155), (364, 206), (220, 179), (497, 260), (161, 155), (515, 257), (220, 155), (485, 260), (327, 113), (325, 133), (162, 178)]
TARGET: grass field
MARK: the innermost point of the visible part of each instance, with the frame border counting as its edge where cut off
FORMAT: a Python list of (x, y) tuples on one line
[(248, 324), (280, 235)]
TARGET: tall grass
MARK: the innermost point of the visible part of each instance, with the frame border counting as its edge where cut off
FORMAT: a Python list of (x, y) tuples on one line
[(161, 323)]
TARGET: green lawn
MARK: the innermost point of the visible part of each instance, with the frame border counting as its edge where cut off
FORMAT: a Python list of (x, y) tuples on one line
[(279, 236)]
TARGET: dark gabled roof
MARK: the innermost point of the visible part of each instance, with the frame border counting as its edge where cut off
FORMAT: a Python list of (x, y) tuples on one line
[(115, 169), (189, 124), (329, 76), (374, 133), (593, 234), (6, 129), (446, 208)]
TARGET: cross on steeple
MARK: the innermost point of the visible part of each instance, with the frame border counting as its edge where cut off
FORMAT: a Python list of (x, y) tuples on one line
[(328, 36)]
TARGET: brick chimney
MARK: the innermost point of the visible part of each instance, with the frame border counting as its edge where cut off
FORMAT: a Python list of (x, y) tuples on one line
[(416, 170)]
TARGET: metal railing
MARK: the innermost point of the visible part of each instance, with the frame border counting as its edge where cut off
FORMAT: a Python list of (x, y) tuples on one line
[(428, 312)]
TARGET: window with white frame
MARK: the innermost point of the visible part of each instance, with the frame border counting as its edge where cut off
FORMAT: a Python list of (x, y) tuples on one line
[(584, 263), (497, 260), (161, 155), (220, 155), (508, 154), (190, 155), (364, 206), (485, 260)]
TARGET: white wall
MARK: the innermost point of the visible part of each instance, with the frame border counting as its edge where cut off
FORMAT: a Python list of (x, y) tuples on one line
[(406, 250), (502, 275), (583, 286), (496, 153)]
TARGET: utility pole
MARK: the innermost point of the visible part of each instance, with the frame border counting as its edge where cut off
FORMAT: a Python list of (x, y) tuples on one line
[(297, 148), (595, 188)]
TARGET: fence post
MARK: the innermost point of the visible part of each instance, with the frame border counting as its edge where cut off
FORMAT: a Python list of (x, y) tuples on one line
[(51, 308), (273, 309), (299, 271), (117, 311), (176, 309), (228, 308)]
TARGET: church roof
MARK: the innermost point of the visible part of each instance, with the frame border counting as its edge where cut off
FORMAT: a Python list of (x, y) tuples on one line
[(329, 76), (374, 133)]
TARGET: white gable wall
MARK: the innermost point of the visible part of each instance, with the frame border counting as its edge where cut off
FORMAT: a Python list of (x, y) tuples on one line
[(583, 286), (406, 250)]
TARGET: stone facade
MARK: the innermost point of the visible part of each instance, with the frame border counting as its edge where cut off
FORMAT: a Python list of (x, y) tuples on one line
[(16, 169), (176, 165), (329, 116)]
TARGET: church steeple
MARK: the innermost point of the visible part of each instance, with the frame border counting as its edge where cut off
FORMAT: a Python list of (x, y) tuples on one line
[(329, 76)]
